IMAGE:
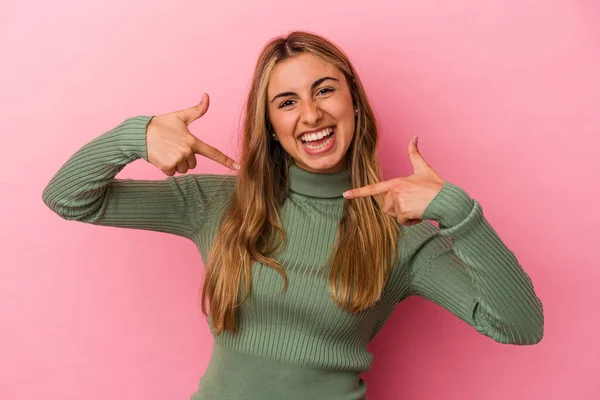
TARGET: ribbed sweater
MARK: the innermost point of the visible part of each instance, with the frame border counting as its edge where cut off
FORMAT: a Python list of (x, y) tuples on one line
[(298, 344)]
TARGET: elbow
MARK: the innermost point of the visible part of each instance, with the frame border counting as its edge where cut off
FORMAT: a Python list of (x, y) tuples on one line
[(534, 328), (48, 198), (526, 337), (521, 337), (538, 336), (53, 201), (536, 332), (519, 329), (528, 332), (60, 205)]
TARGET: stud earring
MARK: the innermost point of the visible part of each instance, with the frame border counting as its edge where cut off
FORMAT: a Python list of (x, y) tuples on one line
[(356, 111), (274, 136)]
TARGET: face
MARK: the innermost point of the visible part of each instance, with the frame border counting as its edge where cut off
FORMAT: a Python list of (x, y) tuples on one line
[(311, 109)]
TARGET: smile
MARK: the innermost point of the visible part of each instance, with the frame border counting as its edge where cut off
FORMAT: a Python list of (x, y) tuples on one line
[(318, 142)]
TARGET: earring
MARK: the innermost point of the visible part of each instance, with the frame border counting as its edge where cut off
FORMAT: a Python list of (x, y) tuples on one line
[(274, 136), (356, 111)]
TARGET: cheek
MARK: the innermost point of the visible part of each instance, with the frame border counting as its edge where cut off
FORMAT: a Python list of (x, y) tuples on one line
[(344, 115), (284, 124), (340, 108)]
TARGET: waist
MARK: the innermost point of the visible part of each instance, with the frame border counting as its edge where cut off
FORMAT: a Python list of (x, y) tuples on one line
[(233, 375)]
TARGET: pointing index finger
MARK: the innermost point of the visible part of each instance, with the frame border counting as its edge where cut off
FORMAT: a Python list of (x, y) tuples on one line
[(215, 154), (369, 190)]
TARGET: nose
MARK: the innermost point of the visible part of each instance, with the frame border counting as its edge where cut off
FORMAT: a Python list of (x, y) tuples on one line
[(311, 113)]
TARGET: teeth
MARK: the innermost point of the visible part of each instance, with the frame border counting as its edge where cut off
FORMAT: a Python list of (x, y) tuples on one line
[(325, 143), (310, 137)]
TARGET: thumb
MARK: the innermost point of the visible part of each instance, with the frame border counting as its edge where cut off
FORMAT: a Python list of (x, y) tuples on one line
[(193, 113), (416, 159)]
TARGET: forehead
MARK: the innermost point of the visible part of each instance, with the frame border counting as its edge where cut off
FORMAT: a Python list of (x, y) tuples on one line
[(299, 72)]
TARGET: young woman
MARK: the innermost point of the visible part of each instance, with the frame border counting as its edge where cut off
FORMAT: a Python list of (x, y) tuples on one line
[(306, 250)]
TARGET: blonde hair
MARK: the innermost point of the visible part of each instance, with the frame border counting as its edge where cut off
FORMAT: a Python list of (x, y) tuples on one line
[(251, 229)]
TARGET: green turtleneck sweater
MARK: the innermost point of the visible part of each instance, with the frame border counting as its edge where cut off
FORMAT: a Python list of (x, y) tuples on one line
[(298, 344)]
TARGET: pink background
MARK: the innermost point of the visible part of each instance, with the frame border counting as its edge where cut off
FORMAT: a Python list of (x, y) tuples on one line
[(505, 98)]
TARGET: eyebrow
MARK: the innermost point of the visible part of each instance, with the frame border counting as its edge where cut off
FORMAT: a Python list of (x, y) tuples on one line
[(312, 87)]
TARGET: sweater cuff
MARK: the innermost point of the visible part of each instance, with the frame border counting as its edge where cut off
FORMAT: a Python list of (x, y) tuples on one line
[(133, 133), (449, 207)]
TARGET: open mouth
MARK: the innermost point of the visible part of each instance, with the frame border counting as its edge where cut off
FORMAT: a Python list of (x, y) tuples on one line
[(318, 140)]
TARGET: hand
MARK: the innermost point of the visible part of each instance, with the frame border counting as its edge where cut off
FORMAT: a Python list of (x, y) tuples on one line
[(406, 198), (172, 147)]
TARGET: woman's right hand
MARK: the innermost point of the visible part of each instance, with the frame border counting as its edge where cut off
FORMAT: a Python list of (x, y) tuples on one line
[(173, 148)]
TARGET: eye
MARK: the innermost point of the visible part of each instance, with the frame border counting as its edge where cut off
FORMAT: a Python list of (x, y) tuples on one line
[(286, 103), (325, 90)]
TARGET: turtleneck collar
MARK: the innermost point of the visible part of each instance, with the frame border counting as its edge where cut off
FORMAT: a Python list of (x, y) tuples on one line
[(327, 186)]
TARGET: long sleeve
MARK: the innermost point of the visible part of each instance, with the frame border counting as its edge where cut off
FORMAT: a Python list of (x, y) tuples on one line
[(465, 267), (85, 189)]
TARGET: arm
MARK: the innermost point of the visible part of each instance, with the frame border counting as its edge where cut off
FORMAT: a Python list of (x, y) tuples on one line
[(465, 267), (85, 189)]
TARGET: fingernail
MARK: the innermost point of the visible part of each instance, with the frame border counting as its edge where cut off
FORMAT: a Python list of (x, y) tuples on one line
[(236, 165), (416, 140), (347, 195)]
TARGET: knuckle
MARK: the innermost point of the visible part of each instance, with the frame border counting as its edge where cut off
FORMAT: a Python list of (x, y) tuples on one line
[(215, 153), (210, 152), (190, 142)]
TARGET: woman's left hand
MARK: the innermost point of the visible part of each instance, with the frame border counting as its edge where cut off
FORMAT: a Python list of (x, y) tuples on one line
[(406, 198)]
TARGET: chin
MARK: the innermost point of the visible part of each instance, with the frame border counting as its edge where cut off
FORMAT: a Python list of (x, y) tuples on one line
[(323, 165)]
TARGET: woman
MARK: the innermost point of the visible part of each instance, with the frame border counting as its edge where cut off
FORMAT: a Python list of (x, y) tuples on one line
[(306, 251)]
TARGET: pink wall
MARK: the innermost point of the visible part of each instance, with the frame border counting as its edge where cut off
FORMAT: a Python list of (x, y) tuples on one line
[(505, 98)]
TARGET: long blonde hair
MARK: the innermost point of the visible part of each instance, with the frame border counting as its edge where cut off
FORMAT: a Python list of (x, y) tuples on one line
[(251, 229)]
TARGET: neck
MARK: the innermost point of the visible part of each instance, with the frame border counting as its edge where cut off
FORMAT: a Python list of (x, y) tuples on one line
[(320, 185), (340, 166)]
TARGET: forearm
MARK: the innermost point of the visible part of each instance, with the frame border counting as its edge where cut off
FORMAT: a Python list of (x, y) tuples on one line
[(77, 189), (504, 303)]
